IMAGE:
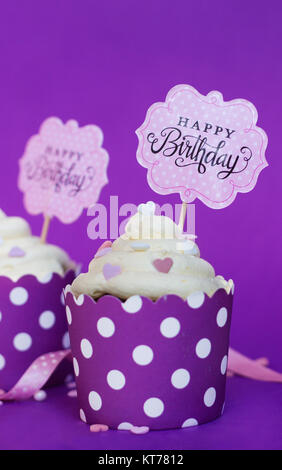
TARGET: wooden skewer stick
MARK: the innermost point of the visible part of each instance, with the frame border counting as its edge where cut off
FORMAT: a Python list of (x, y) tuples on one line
[(182, 216), (45, 228)]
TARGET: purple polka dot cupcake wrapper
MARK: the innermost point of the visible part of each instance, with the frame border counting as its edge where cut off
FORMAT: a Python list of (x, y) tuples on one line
[(32, 322), (142, 363)]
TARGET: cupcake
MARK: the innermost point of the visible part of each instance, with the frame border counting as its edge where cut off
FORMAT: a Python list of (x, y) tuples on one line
[(32, 319), (149, 330), (21, 253)]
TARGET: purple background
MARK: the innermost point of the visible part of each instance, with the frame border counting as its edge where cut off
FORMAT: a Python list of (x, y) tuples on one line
[(248, 422), (106, 63)]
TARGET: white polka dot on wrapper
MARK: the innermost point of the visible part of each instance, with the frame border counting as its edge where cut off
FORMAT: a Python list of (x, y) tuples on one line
[(116, 379), (223, 365), (2, 361), (125, 426), (95, 401), (18, 296), (180, 378), (153, 407), (82, 415), (221, 317), (133, 304), (66, 340), (79, 300), (142, 355), (86, 348), (47, 319), (22, 341), (203, 348), (196, 299), (189, 422), (209, 396), (0, 316), (170, 327), (105, 327), (68, 314), (75, 367), (67, 289)]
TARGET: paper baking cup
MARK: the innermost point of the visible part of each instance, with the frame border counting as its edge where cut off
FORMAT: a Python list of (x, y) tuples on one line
[(143, 363), (32, 322)]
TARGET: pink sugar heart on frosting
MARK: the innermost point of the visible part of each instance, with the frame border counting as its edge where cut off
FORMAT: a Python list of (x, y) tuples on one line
[(163, 265), (140, 429), (99, 427), (16, 252), (110, 271), (106, 244)]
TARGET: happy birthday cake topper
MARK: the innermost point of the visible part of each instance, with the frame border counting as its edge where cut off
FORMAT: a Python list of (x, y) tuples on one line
[(201, 146), (63, 169)]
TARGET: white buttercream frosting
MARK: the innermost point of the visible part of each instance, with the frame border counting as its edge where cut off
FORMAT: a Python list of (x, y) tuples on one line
[(21, 253), (140, 253)]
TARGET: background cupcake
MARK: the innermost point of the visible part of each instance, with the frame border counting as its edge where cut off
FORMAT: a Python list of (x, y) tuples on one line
[(32, 319), (154, 352)]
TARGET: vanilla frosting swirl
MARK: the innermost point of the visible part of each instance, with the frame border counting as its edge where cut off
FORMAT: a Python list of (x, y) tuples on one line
[(21, 253), (149, 244)]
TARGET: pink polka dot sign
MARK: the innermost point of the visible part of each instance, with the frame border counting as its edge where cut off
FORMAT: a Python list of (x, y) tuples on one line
[(63, 169), (201, 146)]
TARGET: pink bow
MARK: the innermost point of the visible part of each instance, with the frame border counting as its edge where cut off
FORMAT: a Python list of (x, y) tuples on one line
[(35, 376), (252, 369)]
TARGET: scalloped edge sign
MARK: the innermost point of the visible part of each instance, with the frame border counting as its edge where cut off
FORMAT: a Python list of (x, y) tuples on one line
[(63, 169), (201, 146)]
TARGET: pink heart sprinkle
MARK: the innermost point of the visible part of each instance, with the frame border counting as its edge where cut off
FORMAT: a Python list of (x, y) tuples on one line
[(99, 427), (139, 429), (16, 252), (106, 244), (163, 265), (110, 271)]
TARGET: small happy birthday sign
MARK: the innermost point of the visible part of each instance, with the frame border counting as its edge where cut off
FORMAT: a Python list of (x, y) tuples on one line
[(201, 146), (63, 169)]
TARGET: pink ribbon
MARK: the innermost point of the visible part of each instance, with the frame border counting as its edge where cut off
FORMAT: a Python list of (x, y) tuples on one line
[(35, 376), (40, 371), (252, 369)]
